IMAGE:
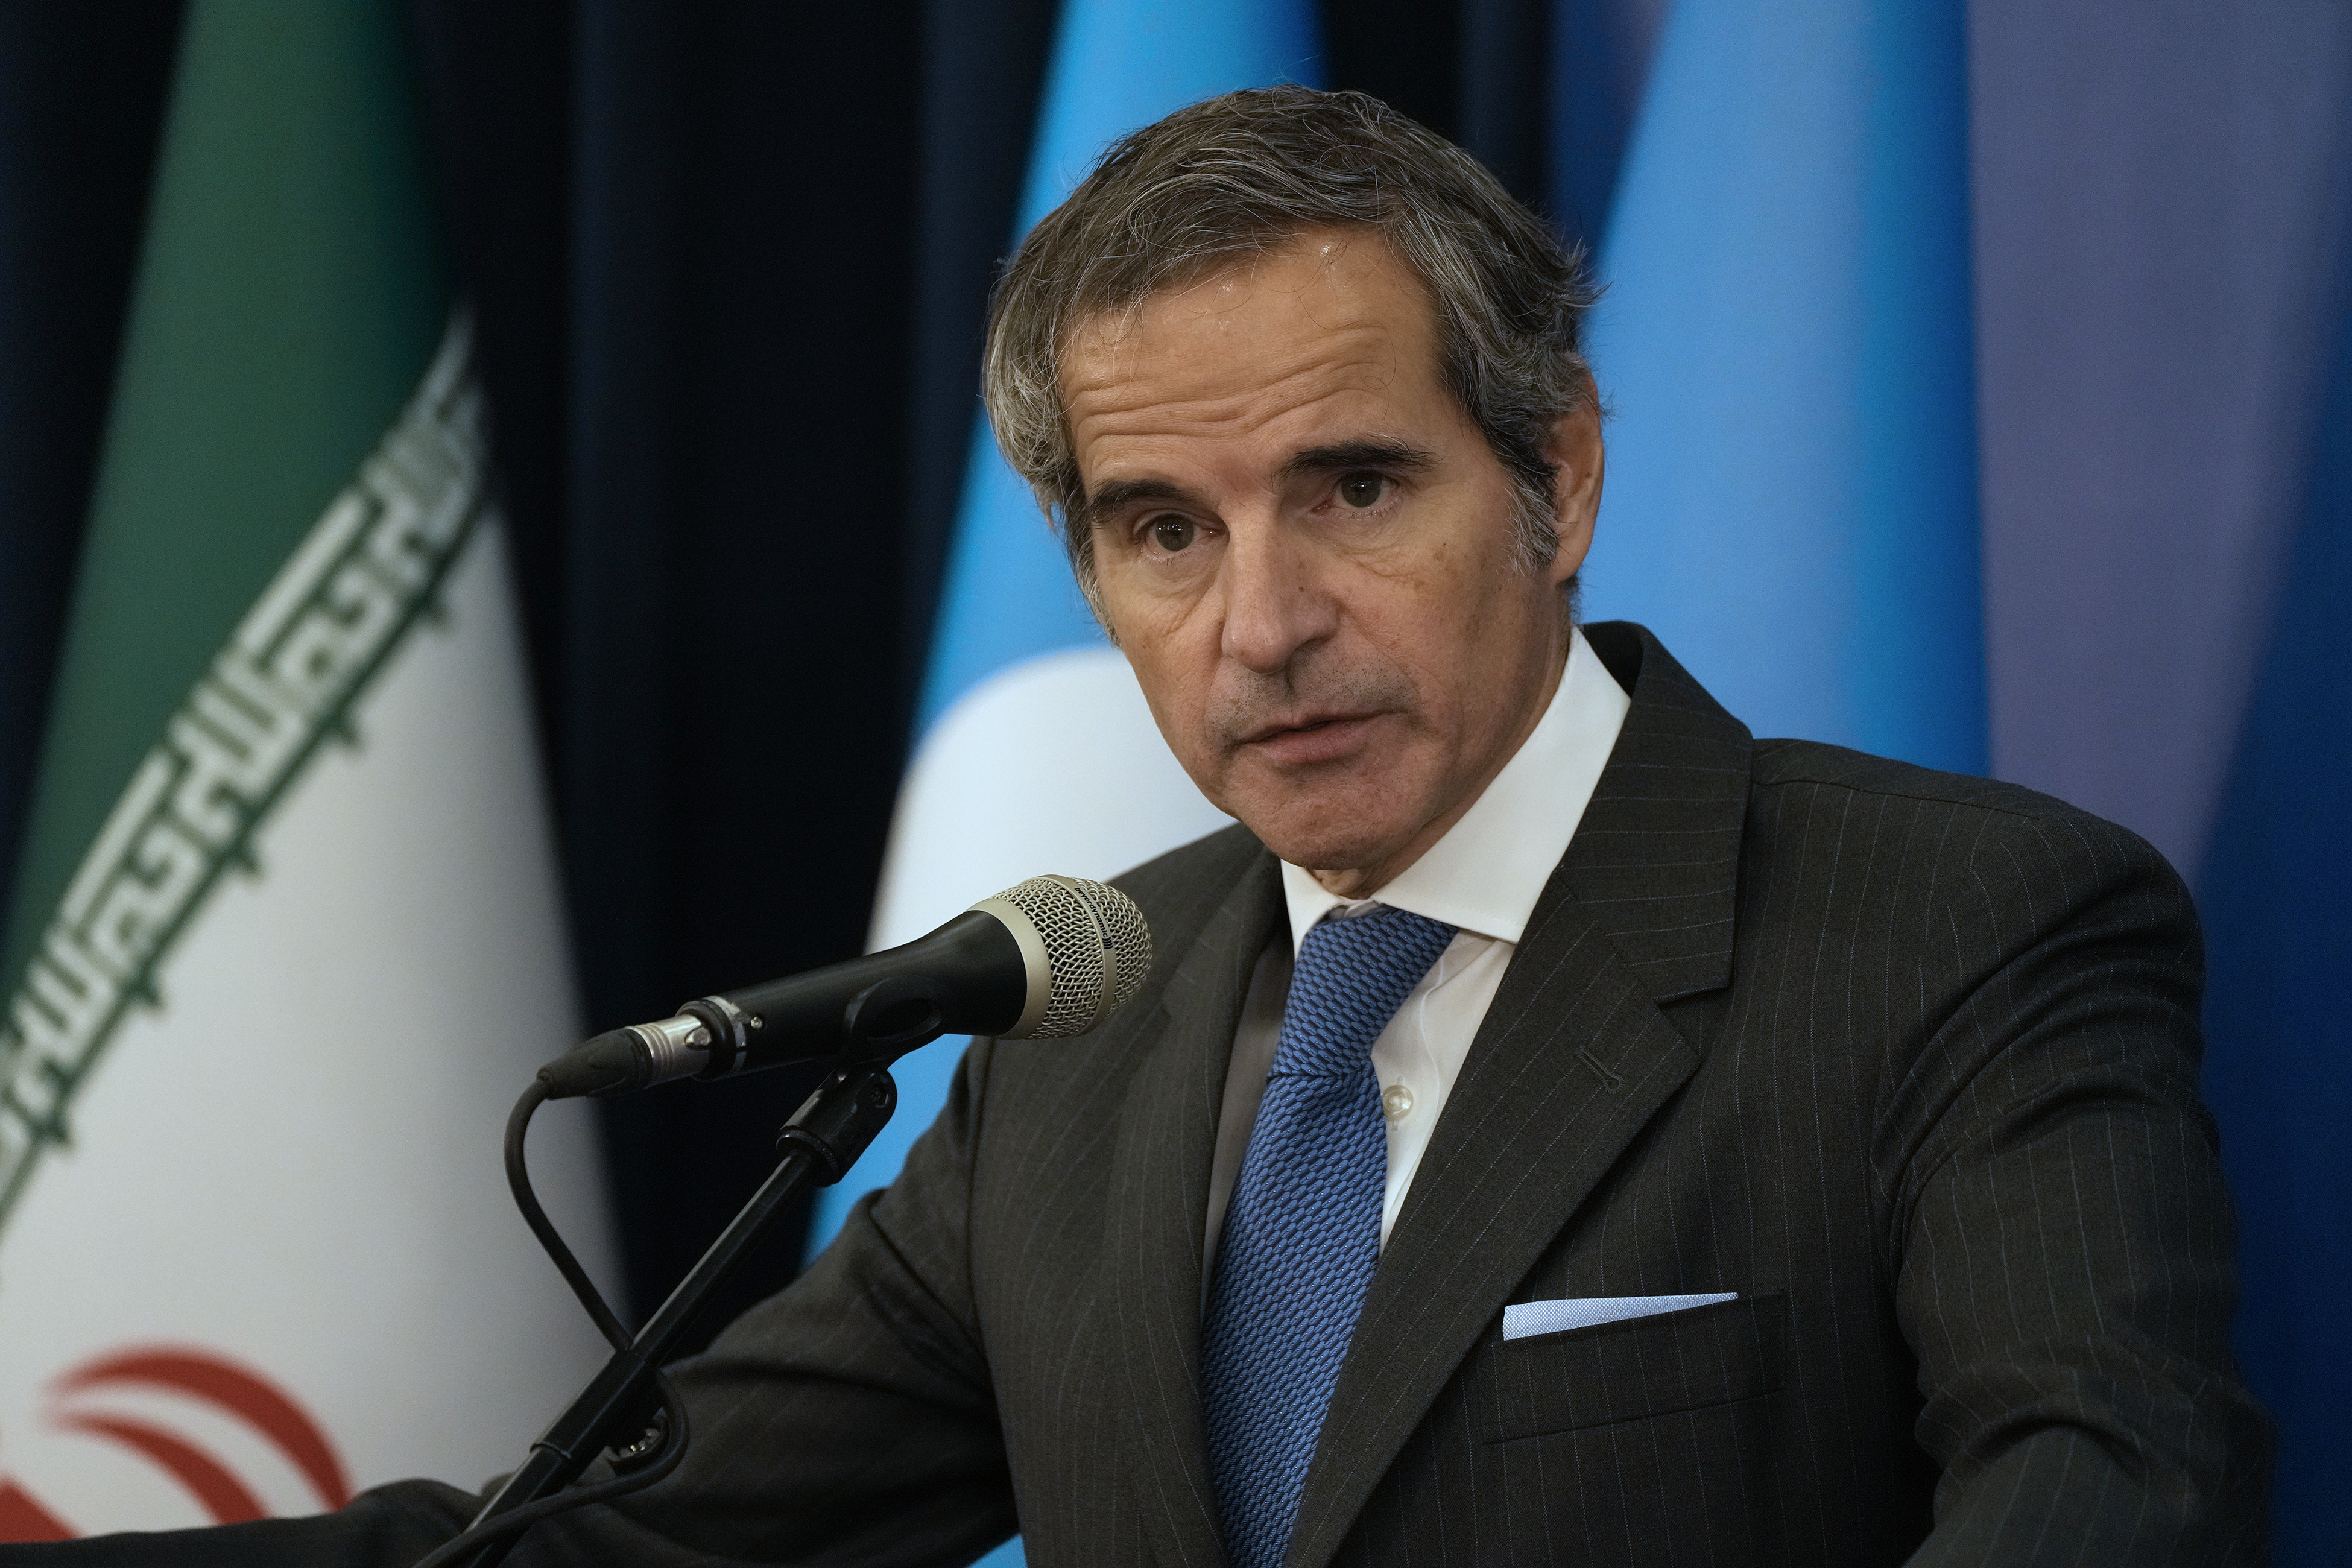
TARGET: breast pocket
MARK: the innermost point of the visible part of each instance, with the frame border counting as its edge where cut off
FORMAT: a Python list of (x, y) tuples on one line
[(1658, 1365)]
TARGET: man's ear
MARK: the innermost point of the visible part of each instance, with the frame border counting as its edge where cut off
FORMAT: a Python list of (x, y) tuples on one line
[(1577, 458)]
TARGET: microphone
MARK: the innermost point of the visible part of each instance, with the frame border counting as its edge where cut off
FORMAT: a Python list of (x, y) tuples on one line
[(1052, 957)]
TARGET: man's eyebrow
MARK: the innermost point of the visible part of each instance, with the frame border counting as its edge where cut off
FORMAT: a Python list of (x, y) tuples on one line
[(1396, 456), (1370, 452), (1120, 494)]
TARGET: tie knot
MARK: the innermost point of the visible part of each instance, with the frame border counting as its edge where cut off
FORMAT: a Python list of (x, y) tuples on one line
[(1353, 976)]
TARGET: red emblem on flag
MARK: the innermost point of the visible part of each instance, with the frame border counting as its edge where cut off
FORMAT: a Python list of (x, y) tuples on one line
[(209, 1380)]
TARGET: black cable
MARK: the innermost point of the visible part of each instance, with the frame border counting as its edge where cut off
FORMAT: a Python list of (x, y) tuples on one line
[(477, 1535), (674, 1439), (519, 1182)]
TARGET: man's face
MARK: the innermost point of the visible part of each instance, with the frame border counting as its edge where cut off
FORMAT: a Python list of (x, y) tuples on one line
[(1306, 548)]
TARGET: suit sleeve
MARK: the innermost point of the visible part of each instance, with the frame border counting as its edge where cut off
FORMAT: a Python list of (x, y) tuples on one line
[(846, 1419), (2062, 1239)]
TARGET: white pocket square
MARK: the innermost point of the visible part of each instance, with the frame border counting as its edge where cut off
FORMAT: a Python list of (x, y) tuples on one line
[(1584, 1312)]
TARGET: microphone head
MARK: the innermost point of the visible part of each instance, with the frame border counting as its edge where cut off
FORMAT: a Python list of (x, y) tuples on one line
[(1088, 949)]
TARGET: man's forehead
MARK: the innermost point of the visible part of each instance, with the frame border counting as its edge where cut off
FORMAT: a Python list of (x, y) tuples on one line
[(1328, 326), (1135, 379), (1317, 285)]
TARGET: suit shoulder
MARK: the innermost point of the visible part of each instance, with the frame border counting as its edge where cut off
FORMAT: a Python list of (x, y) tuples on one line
[(1780, 763), (2005, 821)]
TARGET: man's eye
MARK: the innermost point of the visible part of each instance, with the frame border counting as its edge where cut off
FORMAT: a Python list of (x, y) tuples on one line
[(1360, 490), (1172, 533)]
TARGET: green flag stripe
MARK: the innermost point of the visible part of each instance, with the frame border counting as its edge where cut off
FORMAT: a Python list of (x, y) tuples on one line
[(283, 685), (291, 293)]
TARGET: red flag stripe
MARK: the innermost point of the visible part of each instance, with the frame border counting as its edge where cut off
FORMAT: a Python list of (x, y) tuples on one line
[(223, 1495), (244, 1393), (22, 1518)]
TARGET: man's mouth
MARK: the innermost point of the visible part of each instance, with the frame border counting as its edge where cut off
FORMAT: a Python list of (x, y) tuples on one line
[(1309, 738)]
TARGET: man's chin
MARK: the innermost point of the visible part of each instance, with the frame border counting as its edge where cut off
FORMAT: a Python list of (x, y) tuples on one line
[(1348, 820), (1315, 846)]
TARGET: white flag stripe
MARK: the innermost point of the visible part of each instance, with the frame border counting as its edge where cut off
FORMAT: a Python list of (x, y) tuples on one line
[(295, 1163), (1050, 766)]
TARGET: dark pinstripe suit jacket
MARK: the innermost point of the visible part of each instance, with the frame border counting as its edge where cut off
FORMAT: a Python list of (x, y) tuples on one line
[(1907, 1060)]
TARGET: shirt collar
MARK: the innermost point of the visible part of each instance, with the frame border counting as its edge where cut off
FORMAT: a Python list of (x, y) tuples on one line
[(1486, 873)]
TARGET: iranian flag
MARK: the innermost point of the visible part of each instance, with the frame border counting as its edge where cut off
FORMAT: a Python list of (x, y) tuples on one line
[(286, 939)]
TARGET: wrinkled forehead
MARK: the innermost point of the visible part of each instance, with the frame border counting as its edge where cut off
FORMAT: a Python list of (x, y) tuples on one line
[(1304, 287)]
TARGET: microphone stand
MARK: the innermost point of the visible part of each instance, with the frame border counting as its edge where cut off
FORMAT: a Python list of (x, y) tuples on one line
[(816, 1148)]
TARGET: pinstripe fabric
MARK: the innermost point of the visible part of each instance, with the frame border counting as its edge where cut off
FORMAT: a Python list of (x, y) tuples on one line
[(1908, 1061)]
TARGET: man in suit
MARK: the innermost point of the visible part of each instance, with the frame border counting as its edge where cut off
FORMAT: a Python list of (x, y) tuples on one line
[(1557, 1128)]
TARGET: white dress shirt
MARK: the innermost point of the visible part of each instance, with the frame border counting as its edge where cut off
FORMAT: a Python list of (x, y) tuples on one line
[(1482, 876)]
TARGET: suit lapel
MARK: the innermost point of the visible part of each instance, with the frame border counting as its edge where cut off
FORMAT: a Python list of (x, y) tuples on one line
[(1574, 1056), (1160, 1194)]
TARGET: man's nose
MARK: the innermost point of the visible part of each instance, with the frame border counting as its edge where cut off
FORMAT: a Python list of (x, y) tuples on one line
[(1276, 602)]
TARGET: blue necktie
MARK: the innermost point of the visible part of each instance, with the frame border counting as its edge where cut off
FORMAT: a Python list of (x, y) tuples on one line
[(1303, 1230)]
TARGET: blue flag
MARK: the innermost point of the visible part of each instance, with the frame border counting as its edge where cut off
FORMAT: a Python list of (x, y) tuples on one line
[(1786, 349)]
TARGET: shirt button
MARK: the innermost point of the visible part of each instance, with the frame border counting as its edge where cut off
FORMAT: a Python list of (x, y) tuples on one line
[(1396, 1102)]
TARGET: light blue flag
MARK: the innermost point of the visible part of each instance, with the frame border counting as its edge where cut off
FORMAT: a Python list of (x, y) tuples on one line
[(1787, 349)]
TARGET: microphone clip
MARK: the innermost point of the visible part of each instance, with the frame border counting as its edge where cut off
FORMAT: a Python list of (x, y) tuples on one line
[(836, 1122)]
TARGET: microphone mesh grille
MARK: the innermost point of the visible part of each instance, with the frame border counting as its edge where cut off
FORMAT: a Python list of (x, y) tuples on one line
[(1091, 931)]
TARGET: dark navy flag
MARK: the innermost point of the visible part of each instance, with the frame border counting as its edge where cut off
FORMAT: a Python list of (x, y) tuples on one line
[(2277, 901)]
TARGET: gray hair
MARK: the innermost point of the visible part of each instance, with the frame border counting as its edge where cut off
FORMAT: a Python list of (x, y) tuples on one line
[(1236, 177)]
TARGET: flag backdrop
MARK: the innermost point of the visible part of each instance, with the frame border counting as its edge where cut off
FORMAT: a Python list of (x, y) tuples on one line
[(2277, 901), (1791, 500), (284, 939)]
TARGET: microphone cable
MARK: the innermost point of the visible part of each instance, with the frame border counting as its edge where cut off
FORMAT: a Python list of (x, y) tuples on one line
[(533, 1216), (1083, 948), (675, 1436)]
